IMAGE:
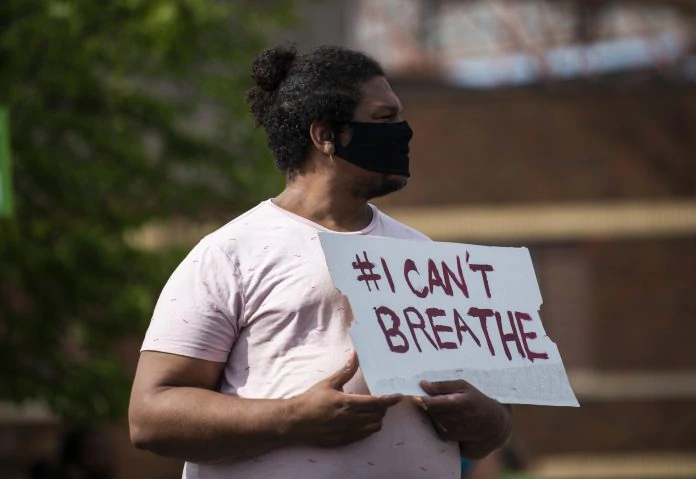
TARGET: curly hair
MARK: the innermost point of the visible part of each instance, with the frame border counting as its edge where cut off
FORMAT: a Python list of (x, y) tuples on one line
[(294, 90)]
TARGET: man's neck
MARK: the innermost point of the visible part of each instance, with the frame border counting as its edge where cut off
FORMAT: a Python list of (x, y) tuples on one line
[(327, 205)]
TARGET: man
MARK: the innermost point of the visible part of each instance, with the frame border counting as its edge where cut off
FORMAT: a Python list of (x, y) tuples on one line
[(247, 369)]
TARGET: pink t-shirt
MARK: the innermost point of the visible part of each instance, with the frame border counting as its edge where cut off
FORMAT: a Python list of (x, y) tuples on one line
[(256, 294)]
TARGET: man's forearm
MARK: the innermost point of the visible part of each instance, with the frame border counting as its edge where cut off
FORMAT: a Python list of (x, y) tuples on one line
[(201, 426), (484, 446), (479, 449)]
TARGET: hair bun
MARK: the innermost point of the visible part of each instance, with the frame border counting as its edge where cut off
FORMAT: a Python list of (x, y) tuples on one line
[(271, 66)]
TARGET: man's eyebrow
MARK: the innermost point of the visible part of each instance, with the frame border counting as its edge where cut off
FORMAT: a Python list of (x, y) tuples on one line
[(388, 107)]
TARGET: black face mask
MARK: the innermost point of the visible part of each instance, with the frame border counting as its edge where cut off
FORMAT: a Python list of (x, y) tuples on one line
[(378, 147)]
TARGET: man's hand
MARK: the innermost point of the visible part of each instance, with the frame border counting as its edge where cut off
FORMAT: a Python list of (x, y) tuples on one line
[(462, 413), (327, 417)]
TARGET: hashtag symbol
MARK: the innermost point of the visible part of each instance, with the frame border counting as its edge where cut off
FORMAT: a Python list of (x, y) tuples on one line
[(367, 271)]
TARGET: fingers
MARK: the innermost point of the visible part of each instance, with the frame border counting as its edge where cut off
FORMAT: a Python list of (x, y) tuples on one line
[(338, 379), (445, 387), (419, 402), (389, 401), (372, 427), (369, 427), (365, 403), (441, 403)]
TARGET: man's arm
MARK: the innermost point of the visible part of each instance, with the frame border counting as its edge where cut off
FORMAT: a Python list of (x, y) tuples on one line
[(481, 448), (174, 412), (462, 413)]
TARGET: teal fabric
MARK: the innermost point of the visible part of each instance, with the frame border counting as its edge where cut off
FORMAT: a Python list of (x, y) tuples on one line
[(466, 466)]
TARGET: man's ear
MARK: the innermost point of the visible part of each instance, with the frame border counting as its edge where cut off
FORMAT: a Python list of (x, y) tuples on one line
[(322, 137)]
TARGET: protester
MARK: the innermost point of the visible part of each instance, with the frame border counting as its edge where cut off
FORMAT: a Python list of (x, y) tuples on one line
[(247, 368)]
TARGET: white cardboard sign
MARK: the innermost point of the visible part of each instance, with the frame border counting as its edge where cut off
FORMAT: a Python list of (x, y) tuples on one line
[(443, 311)]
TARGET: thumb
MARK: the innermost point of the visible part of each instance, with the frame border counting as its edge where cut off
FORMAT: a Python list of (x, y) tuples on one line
[(441, 388), (343, 375)]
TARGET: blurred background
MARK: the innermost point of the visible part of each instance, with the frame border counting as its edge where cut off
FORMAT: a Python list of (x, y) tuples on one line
[(568, 127)]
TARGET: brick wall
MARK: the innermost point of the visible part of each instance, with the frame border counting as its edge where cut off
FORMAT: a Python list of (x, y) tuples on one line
[(616, 306), (609, 305), (599, 427), (558, 144)]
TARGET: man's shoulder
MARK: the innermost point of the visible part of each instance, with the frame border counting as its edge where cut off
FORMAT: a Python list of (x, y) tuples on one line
[(396, 229), (246, 227)]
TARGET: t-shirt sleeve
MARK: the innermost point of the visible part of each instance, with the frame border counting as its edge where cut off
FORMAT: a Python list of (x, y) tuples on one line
[(200, 309)]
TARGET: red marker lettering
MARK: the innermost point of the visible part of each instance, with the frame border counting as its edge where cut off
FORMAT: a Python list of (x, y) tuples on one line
[(439, 328), (483, 315), (387, 273), (393, 331), (483, 269), (458, 279), (434, 278), (417, 325), (509, 337), (410, 266), (528, 335), (461, 327)]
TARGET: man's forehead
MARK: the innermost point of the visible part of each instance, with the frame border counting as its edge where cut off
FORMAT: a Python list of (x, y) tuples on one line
[(379, 94)]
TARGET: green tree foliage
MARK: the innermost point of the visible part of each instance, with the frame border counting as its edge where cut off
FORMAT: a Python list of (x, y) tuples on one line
[(123, 112)]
